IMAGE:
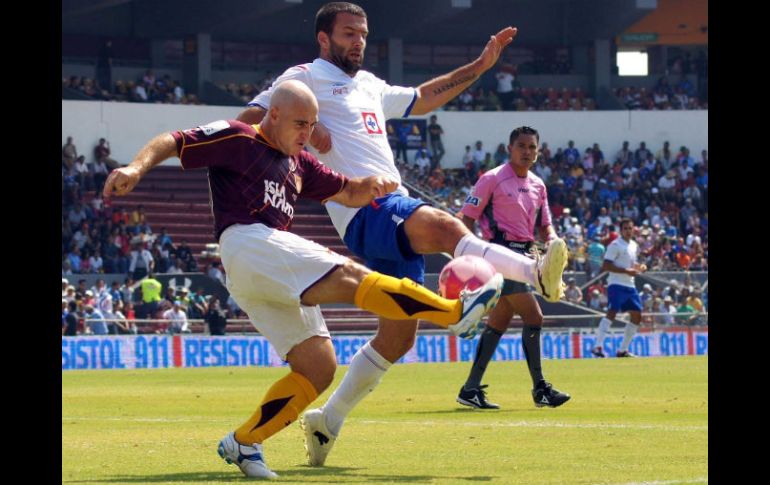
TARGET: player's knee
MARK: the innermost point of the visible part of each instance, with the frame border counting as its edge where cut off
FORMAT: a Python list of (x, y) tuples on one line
[(354, 271), (321, 375), (449, 230), (325, 380), (534, 320)]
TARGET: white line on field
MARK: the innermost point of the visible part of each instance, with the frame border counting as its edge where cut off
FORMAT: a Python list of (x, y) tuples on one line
[(543, 424), (144, 420), (510, 424), (668, 482)]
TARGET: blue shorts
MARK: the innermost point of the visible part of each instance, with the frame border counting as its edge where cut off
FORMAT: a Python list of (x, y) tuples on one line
[(622, 298), (376, 235)]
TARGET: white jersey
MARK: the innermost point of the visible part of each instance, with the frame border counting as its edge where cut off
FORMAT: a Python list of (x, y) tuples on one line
[(623, 255), (354, 111)]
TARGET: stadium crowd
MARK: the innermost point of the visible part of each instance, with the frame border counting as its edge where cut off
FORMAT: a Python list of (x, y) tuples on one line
[(664, 192), (146, 89), (663, 96)]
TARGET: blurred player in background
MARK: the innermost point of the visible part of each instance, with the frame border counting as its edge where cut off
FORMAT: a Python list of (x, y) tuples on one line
[(620, 261)]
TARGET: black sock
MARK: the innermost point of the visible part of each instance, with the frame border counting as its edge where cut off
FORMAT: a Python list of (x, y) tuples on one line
[(490, 337), (530, 342)]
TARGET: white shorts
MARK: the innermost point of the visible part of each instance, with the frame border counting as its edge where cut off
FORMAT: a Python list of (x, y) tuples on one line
[(267, 272)]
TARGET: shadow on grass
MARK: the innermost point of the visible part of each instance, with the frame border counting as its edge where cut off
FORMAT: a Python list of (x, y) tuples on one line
[(466, 410), (300, 473)]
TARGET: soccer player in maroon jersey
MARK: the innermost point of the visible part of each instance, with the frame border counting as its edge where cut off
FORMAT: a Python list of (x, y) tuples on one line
[(256, 174)]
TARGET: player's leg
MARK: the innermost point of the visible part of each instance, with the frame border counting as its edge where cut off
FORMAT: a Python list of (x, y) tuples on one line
[(472, 393), (431, 230), (312, 364), (301, 338), (396, 300), (633, 305), (376, 234), (543, 393), (402, 299), (614, 301), (267, 272)]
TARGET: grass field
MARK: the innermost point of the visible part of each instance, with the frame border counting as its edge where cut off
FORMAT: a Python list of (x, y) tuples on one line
[(630, 421)]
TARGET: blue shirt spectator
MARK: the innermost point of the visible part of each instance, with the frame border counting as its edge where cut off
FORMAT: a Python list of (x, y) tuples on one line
[(98, 326)]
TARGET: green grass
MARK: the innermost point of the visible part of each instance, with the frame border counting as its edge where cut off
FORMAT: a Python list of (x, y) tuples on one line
[(629, 421)]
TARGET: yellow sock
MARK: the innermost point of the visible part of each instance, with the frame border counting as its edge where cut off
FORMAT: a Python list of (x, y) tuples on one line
[(280, 407), (405, 300)]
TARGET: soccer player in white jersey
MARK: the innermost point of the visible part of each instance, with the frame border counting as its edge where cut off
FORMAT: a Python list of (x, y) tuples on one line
[(620, 261), (392, 233), (510, 204), (256, 173)]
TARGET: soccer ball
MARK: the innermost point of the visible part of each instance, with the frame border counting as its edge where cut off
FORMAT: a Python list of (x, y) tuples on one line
[(464, 272)]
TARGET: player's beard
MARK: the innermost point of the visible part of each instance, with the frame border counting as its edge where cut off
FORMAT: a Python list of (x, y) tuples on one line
[(337, 55)]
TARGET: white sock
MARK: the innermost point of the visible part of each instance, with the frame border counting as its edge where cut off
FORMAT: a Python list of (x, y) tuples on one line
[(510, 264), (628, 335), (604, 327), (366, 369)]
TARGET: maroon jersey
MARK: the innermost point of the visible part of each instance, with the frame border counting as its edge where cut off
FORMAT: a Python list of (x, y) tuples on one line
[(250, 180)]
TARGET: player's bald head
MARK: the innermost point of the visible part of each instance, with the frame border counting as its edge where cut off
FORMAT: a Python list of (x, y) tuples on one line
[(293, 94), (292, 116)]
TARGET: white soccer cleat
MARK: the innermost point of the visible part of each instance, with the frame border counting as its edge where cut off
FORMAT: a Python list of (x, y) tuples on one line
[(318, 439), (249, 459), (550, 269), (476, 304)]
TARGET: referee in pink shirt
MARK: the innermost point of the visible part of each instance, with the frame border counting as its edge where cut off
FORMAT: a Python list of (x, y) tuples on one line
[(509, 202)]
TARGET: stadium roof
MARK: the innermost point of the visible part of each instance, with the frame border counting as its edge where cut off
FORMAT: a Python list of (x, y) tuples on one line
[(540, 22)]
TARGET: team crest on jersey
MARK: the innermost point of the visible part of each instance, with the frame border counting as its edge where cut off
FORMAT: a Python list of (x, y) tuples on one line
[(474, 201), (371, 123)]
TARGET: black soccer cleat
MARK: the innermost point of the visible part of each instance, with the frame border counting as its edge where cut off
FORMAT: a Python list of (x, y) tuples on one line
[(545, 395), (475, 398), (598, 352), (624, 353)]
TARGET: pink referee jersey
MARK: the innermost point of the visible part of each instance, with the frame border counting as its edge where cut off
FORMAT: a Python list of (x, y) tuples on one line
[(512, 204)]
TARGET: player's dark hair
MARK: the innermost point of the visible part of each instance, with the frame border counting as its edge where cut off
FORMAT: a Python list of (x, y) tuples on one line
[(523, 130), (324, 19), (626, 220)]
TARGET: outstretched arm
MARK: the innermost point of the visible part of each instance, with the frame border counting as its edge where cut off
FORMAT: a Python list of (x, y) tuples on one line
[(360, 191), (121, 181), (439, 91)]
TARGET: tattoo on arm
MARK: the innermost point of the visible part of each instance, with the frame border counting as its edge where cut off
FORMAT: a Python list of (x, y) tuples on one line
[(454, 84)]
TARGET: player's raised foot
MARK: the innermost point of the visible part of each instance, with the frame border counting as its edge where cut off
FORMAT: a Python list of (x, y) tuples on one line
[(476, 304), (598, 352), (475, 398), (548, 280), (624, 353), (545, 395), (249, 458), (318, 439)]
